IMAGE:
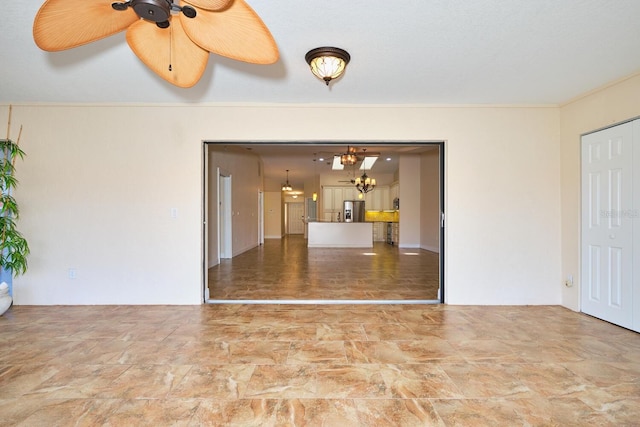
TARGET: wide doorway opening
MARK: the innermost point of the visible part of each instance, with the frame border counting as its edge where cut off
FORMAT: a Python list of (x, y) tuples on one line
[(311, 225)]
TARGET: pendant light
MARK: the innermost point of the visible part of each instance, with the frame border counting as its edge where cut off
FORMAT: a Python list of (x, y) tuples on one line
[(314, 196), (287, 186)]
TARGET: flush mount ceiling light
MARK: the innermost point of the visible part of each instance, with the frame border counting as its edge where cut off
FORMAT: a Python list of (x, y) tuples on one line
[(327, 63)]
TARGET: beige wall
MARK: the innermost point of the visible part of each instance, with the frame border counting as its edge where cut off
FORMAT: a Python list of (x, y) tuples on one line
[(273, 215), (100, 181), (604, 107), (410, 201), (430, 201), (244, 169)]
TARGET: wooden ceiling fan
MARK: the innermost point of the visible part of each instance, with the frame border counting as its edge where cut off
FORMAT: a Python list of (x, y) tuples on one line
[(172, 38)]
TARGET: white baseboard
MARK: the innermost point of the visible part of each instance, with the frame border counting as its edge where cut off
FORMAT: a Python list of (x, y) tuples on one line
[(405, 246), (431, 249)]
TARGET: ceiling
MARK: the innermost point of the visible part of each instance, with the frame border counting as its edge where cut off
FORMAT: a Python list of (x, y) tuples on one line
[(303, 161), (408, 52)]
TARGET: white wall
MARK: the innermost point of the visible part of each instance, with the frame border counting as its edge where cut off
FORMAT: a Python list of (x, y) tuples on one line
[(99, 183), (604, 107)]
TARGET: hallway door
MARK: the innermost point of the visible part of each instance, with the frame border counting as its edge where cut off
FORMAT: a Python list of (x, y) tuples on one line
[(224, 217), (295, 216), (606, 272)]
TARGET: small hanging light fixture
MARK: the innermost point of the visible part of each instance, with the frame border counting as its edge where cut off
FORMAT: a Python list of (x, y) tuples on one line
[(327, 63), (287, 186), (314, 196)]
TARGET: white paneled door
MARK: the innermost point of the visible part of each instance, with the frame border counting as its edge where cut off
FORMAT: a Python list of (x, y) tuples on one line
[(295, 218), (607, 225)]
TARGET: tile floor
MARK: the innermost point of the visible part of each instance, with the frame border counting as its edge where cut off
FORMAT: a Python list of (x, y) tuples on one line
[(302, 365), (285, 269)]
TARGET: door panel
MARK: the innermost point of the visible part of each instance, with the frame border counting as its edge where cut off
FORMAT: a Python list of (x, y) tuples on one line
[(606, 228), (225, 218), (635, 217)]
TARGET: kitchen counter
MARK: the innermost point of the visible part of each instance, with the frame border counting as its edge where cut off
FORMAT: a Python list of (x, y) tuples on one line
[(340, 235)]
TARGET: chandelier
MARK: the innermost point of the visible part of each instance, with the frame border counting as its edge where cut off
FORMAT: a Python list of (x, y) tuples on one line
[(364, 184)]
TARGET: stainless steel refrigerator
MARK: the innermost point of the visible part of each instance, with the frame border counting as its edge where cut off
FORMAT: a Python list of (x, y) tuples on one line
[(353, 211)]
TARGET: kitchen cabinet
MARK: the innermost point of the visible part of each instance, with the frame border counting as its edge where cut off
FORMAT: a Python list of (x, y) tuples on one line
[(338, 198), (378, 199), (350, 193), (379, 231)]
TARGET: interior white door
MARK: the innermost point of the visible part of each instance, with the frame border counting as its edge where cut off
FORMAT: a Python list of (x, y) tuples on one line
[(225, 217), (635, 214), (295, 220), (260, 218), (607, 201)]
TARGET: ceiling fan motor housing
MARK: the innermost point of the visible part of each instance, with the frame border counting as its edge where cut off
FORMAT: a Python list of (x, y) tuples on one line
[(152, 10)]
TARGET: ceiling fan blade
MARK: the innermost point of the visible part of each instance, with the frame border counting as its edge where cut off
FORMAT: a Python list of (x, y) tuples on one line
[(209, 4), (168, 52), (236, 32), (65, 24)]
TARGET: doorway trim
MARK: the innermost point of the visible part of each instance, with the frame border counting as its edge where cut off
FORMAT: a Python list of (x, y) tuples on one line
[(441, 298)]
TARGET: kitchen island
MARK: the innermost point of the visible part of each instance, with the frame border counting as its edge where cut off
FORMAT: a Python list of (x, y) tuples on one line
[(340, 235)]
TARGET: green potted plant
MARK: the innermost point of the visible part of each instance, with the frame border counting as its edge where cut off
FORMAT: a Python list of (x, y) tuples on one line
[(14, 248)]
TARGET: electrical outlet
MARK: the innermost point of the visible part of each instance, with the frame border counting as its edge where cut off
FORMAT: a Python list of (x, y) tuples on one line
[(72, 273), (569, 282)]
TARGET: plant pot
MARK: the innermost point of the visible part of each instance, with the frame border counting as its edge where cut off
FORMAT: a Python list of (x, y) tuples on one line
[(5, 298)]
